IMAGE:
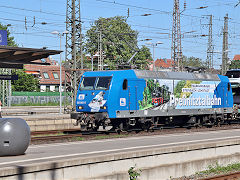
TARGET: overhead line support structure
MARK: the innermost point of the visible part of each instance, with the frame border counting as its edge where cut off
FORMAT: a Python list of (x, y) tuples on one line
[(210, 45), (176, 50), (225, 46), (5, 88), (73, 54)]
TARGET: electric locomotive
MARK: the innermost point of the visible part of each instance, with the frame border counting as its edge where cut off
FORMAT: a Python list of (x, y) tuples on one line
[(128, 99), (234, 78)]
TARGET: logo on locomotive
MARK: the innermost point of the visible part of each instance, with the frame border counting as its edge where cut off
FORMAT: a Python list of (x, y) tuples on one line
[(97, 102)]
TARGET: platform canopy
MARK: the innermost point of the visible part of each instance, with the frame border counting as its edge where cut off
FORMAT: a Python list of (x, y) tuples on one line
[(16, 57)]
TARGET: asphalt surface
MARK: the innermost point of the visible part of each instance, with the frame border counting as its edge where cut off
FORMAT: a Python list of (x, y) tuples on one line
[(60, 151)]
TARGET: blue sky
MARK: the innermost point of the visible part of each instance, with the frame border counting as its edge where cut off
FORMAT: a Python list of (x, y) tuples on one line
[(156, 26)]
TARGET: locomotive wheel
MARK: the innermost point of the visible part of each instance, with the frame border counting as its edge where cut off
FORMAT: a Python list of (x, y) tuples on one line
[(147, 125), (198, 122)]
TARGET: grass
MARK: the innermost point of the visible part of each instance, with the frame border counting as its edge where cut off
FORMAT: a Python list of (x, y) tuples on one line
[(110, 136), (40, 135), (213, 170), (78, 138), (218, 169)]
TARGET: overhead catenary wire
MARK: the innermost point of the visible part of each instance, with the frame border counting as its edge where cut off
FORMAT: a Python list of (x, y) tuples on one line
[(143, 28)]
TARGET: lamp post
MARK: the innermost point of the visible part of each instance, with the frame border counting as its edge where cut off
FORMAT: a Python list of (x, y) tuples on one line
[(153, 46), (92, 56), (60, 79)]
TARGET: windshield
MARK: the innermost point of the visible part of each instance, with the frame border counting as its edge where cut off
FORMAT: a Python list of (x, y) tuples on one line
[(103, 83), (98, 83), (88, 83), (233, 74)]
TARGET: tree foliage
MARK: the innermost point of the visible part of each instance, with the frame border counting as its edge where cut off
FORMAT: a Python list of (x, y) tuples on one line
[(193, 62), (119, 42), (25, 82), (235, 64)]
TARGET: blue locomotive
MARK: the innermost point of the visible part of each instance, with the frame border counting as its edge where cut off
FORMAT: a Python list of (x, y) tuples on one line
[(125, 99)]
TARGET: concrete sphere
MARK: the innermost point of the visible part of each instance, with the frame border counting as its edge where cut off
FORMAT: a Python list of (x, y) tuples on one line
[(14, 136)]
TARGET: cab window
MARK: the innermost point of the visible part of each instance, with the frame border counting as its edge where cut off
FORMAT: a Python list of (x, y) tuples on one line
[(103, 83), (125, 84), (88, 83)]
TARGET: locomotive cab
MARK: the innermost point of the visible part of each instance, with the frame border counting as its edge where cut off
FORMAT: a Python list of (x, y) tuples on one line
[(93, 93), (101, 95), (91, 102)]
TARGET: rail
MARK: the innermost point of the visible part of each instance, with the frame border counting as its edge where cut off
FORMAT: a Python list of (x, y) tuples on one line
[(56, 137)]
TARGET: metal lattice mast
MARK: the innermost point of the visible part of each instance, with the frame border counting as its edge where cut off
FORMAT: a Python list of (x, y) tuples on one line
[(5, 88), (73, 62), (176, 53), (225, 46), (210, 46)]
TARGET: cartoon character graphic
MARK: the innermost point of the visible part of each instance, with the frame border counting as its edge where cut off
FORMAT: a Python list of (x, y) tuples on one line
[(97, 102)]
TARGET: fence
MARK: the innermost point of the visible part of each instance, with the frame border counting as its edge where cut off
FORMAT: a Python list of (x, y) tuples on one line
[(36, 97)]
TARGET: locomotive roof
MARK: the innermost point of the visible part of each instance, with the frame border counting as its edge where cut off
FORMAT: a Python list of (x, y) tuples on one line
[(176, 75), (230, 70)]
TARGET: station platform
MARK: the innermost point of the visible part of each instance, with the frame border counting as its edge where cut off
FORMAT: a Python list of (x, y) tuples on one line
[(46, 122), (158, 157), (41, 118)]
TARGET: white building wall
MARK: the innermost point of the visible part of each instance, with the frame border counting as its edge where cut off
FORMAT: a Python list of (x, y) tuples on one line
[(52, 88), (42, 88)]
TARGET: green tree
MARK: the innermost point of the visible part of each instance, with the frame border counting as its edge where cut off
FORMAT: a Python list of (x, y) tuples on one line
[(235, 64), (193, 62), (10, 39), (119, 42), (25, 82), (134, 173)]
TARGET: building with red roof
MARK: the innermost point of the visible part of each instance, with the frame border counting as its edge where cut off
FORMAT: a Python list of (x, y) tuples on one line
[(48, 75), (164, 64), (236, 57)]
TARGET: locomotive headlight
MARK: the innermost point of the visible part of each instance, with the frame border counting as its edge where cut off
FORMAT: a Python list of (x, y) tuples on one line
[(80, 107), (104, 107)]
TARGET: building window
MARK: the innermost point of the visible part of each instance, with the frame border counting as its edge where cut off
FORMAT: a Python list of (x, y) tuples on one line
[(56, 88), (46, 76), (55, 75), (47, 88)]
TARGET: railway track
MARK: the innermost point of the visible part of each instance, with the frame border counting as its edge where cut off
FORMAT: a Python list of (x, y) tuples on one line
[(53, 138), (72, 134), (64, 131), (54, 135)]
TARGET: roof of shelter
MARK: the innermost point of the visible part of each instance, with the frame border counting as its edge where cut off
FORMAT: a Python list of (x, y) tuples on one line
[(15, 57)]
